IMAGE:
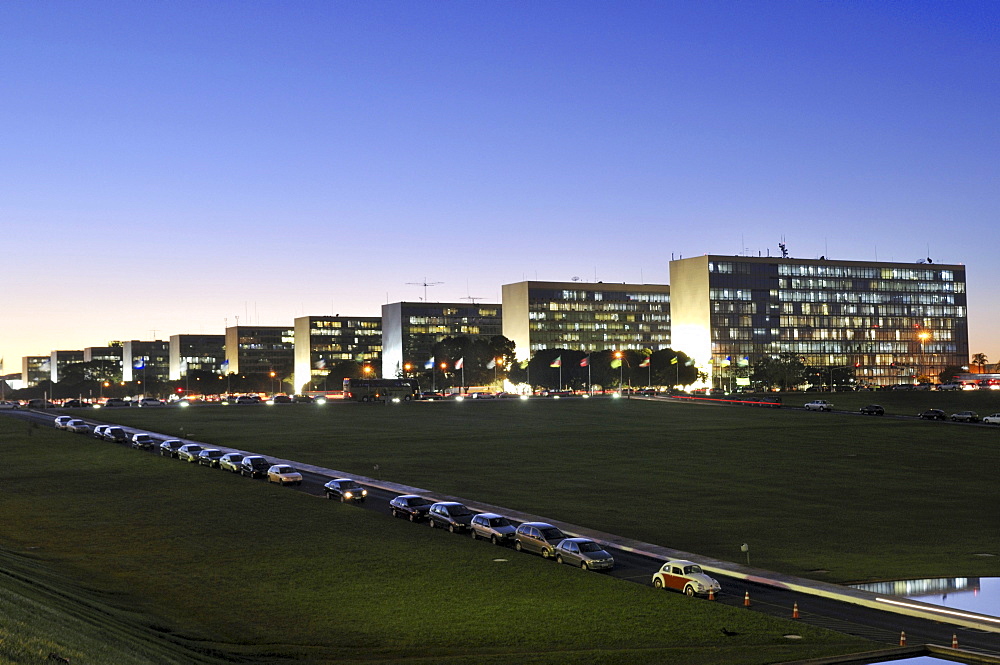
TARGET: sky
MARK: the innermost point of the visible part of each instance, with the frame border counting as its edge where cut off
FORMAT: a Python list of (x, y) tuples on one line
[(167, 167)]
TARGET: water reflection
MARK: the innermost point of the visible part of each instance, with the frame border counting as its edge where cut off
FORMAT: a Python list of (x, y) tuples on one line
[(973, 594)]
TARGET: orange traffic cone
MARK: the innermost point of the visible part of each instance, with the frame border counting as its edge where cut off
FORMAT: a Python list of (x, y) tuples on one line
[(902, 639), (954, 641), (795, 611), (711, 594), (746, 599)]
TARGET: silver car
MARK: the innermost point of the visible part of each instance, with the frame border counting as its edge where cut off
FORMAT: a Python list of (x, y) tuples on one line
[(492, 527), (585, 553), (538, 537)]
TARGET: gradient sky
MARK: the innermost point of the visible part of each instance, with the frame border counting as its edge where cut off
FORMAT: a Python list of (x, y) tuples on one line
[(170, 166)]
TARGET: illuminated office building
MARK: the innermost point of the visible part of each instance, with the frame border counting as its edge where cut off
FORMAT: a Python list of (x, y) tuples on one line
[(411, 329), (60, 360), (259, 350), (894, 322), (35, 369), (323, 341), (585, 316), (196, 353), (145, 360)]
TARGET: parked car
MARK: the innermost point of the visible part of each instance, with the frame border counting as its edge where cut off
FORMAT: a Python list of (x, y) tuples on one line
[(992, 419), (872, 410), (254, 466), (284, 475), (74, 404), (410, 506), (61, 421), (430, 396), (9, 405), (585, 553), (231, 462), (246, 399), (210, 457), (685, 576), (116, 401), (965, 417), (450, 515), (142, 440), (78, 426), (169, 447), (538, 537), (931, 414), (346, 490), (151, 401), (40, 404), (98, 431), (189, 452), (495, 528), (819, 405), (115, 434)]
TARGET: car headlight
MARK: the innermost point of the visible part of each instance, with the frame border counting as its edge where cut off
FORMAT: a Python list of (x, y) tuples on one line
[(364, 492), (348, 495)]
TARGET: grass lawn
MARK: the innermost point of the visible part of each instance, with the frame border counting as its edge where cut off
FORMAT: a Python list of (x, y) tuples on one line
[(864, 498), (111, 556)]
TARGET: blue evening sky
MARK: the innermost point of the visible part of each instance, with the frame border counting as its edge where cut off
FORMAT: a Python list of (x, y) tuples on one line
[(170, 166)]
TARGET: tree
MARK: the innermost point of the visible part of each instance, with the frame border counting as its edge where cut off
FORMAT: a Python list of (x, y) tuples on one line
[(980, 360), (949, 373), (784, 370), (829, 375)]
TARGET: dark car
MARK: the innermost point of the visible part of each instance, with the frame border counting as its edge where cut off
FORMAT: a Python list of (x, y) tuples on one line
[(142, 441), (872, 410), (210, 457), (931, 414), (74, 404), (116, 401), (281, 399), (169, 447), (40, 404), (302, 399), (254, 466), (538, 537), (346, 490), (116, 435), (451, 515), (411, 506), (429, 395)]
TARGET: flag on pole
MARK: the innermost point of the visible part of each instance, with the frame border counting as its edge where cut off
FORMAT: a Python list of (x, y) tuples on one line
[(673, 361), (616, 363), (645, 362), (585, 362), (492, 363), (557, 362), (429, 364), (523, 364), (460, 363)]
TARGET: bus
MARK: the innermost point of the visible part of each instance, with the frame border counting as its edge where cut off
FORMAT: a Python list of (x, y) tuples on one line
[(380, 390)]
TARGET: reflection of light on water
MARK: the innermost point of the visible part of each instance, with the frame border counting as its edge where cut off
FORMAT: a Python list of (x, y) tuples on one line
[(973, 594)]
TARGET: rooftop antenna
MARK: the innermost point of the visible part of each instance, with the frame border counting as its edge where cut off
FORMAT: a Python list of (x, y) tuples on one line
[(472, 299), (154, 331), (425, 284), (783, 248)]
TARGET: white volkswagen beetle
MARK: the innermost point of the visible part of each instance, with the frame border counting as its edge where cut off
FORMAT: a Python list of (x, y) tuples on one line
[(685, 576)]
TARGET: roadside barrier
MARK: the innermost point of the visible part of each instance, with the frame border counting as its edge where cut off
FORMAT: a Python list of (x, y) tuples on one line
[(746, 599), (795, 611)]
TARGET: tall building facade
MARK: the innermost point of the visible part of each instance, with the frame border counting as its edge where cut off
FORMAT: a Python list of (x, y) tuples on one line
[(191, 353), (145, 360), (59, 360), (586, 316), (892, 321), (259, 350), (411, 329), (35, 369), (323, 341)]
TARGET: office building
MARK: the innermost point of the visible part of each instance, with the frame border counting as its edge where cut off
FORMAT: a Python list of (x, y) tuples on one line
[(586, 316), (35, 369), (196, 353), (145, 361), (60, 360), (893, 321), (411, 329), (323, 341), (259, 350)]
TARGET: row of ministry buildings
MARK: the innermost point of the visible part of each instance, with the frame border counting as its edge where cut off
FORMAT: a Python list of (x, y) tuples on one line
[(891, 321)]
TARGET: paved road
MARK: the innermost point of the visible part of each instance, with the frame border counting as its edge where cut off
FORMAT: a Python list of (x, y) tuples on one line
[(880, 626)]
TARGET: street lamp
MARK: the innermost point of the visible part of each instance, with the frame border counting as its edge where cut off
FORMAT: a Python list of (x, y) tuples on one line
[(923, 336), (272, 381), (621, 370)]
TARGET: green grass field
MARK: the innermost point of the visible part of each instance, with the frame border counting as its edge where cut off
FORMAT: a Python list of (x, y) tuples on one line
[(112, 556), (864, 498)]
